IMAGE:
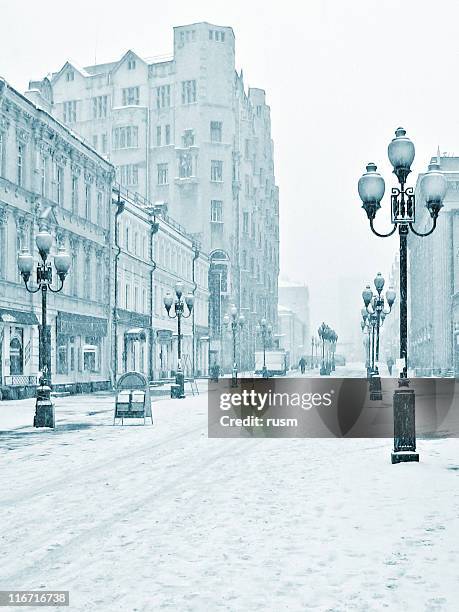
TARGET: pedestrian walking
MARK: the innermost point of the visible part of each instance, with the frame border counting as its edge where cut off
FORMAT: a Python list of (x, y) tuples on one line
[(302, 364), (390, 364)]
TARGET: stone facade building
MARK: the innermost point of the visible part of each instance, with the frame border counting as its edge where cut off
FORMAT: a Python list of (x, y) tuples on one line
[(50, 178), (434, 283), (184, 132), (153, 253)]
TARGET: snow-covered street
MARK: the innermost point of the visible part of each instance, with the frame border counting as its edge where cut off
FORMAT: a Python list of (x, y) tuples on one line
[(162, 518)]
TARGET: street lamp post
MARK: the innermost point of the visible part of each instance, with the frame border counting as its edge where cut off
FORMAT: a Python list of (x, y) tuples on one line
[(44, 408), (329, 338), (178, 390), (237, 323), (266, 331), (371, 189), (375, 309), (312, 352)]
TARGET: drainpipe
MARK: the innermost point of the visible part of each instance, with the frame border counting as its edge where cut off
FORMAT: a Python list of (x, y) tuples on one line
[(195, 286), (120, 207), (154, 226)]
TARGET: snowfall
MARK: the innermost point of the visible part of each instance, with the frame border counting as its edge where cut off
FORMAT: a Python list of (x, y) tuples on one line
[(146, 518)]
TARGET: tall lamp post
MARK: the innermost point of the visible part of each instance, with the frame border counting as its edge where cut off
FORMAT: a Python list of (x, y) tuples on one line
[(44, 408), (178, 390), (312, 352), (237, 323), (371, 189), (322, 331), (265, 330)]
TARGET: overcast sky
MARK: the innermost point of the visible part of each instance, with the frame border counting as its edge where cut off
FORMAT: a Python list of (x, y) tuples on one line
[(340, 77)]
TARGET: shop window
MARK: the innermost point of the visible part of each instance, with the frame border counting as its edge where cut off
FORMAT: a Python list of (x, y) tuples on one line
[(16, 354)]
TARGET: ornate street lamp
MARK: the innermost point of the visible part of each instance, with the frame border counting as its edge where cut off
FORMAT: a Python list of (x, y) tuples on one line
[(178, 390), (324, 332), (371, 189), (237, 323), (44, 408), (265, 330), (375, 313)]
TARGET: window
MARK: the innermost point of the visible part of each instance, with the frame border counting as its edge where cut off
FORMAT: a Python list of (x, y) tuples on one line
[(188, 92), (94, 141), (72, 353), (70, 111), (126, 297), (185, 166), (103, 145), (20, 165), (131, 96), (247, 149), (126, 137), (88, 277), (74, 194), (91, 356), (158, 136), (163, 174), (43, 176), (216, 170), (70, 75), (167, 136), (87, 206), (126, 238), (131, 64), (247, 185), (59, 184), (99, 107), (128, 174), (188, 138), (99, 211), (163, 96), (215, 131), (216, 211), (136, 298), (245, 222)]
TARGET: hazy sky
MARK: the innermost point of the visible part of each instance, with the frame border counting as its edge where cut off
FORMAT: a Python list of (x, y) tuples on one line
[(340, 77)]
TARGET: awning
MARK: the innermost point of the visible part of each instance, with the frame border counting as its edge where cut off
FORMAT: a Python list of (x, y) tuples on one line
[(136, 333), (22, 317)]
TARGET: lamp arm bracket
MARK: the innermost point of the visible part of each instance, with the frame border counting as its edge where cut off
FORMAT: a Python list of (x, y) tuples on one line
[(425, 234), (382, 235), (58, 289), (31, 290)]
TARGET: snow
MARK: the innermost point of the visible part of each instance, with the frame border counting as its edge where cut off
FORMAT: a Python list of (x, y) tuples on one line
[(142, 518)]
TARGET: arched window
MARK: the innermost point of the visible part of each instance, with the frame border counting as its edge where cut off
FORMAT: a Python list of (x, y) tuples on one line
[(16, 361)]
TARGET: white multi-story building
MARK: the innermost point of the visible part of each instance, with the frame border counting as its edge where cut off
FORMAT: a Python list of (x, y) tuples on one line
[(50, 178), (184, 132)]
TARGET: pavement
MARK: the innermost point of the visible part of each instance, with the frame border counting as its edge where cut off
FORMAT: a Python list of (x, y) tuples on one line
[(143, 518)]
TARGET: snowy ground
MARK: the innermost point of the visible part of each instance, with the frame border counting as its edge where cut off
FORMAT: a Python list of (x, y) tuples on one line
[(162, 518)]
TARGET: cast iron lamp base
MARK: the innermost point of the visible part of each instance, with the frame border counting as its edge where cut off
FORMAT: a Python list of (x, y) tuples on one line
[(234, 377), (44, 408), (375, 386), (404, 424), (178, 390)]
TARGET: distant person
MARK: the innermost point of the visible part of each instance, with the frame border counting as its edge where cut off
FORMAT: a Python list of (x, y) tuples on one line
[(302, 364), (390, 364)]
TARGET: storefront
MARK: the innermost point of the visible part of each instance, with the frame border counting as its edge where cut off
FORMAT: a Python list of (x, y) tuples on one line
[(163, 362), (133, 342), (81, 353), (18, 353)]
